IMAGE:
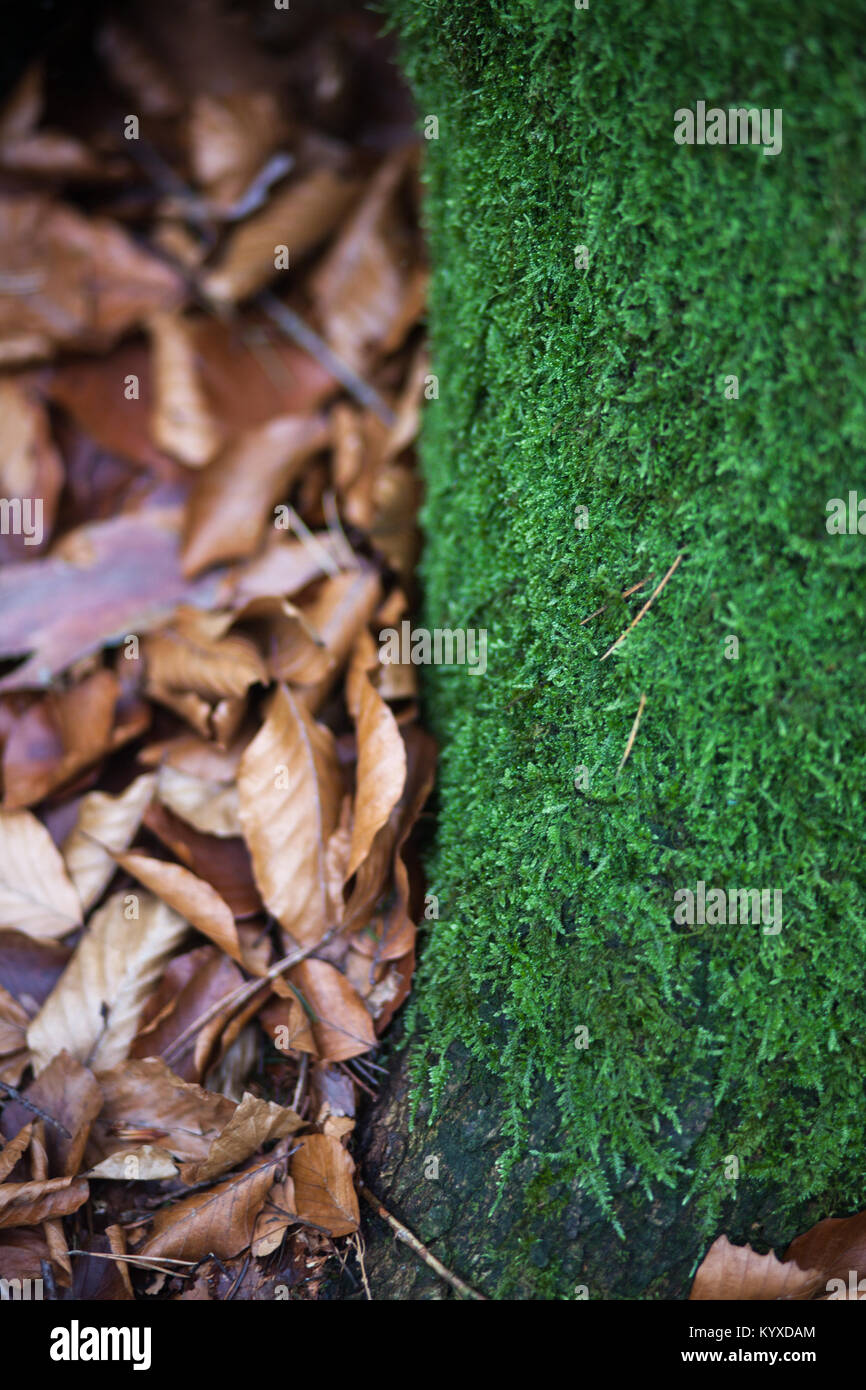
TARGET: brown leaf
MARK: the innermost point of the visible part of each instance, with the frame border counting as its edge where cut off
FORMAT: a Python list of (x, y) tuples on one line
[(223, 862), (28, 1203), (381, 772), (145, 1100), (182, 422), (277, 1214), (358, 289), (232, 499), (147, 1163), (83, 281), (255, 1122), (290, 792), (210, 807), (298, 217), (36, 896), (13, 1149), (837, 1247), (325, 1193), (61, 735), (341, 1023), (189, 896), (193, 654), (94, 1010), (340, 609), (31, 470), (105, 826), (219, 1222), (105, 580), (69, 1093), (736, 1272), (189, 986)]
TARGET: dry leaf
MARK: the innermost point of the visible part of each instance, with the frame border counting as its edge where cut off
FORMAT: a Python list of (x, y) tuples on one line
[(211, 807), (218, 1222), (36, 896), (255, 1122), (290, 793), (736, 1272), (145, 1101), (82, 280), (104, 581), (233, 498), (189, 896), (105, 826), (322, 1173), (342, 1025), (182, 422), (299, 217), (381, 772), (94, 1009)]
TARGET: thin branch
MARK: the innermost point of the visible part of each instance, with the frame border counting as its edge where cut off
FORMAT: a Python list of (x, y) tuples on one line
[(646, 607), (403, 1233), (30, 1105), (625, 594), (633, 735), (301, 333)]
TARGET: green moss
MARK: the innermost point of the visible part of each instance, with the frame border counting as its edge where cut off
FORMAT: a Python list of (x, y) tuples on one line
[(603, 387)]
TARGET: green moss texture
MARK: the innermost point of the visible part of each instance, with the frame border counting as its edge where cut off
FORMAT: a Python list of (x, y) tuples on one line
[(603, 386)]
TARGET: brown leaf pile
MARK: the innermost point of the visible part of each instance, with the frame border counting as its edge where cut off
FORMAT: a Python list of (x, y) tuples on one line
[(208, 779)]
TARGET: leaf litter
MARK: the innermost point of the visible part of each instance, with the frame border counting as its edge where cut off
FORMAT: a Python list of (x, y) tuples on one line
[(211, 374)]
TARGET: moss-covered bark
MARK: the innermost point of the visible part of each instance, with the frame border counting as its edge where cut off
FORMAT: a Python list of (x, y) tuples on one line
[(602, 379)]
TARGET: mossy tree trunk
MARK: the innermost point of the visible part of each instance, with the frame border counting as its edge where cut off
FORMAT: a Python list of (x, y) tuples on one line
[(644, 350)]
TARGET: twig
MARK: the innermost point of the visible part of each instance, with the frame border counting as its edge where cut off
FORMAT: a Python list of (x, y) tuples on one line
[(403, 1233), (239, 996), (632, 736), (30, 1105), (301, 333), (645, 608), (359, 1254), (303, 533), (625, 594), (335, 526), (150, 1262), (48, 1279), (302, 1081)]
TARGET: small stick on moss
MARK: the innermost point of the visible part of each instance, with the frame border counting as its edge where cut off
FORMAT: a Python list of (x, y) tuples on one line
[(625, 593), (634, 622), (403, 1233), (633, 734)]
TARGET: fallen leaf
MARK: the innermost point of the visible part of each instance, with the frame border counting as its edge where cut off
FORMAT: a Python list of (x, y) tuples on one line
[(736, 1272), (82, 280), (232, 499), (210, 807), (189, 896), (290, 792), (381, 773), (29, 1203), (105, 826), (36, 896), (145, 1099), (341, 1024), (219, 1222), (298, 217), (182, 422), (94, 1009), (255, 1122), (322, 1172), (105, 581)]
